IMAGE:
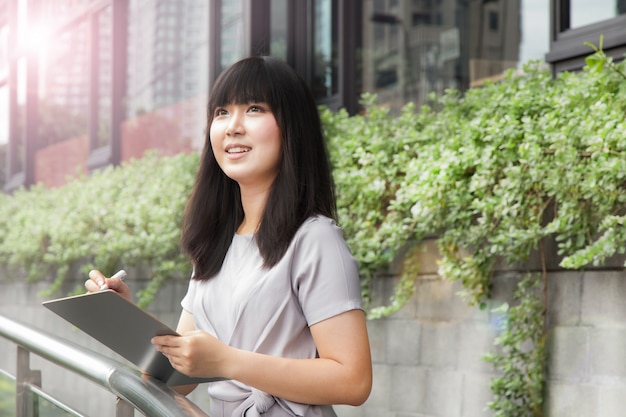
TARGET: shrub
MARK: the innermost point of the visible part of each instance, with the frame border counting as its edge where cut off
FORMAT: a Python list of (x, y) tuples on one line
[(125, 216)]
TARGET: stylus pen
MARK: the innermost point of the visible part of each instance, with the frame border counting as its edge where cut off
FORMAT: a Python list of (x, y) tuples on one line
[(121, 274)]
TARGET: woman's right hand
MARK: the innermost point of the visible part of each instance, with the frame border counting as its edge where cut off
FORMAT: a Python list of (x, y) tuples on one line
[(97, 280)]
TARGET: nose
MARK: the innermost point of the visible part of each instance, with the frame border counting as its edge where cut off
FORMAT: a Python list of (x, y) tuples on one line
[(235, 124)]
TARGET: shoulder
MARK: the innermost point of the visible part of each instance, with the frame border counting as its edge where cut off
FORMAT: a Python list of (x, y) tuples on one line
[(319, 235), (319, 227)]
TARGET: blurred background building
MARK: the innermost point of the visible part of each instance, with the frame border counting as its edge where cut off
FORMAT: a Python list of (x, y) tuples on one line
[(89, 83)]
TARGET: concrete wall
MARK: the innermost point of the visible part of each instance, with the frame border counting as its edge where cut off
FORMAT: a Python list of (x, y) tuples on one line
[(587, 344), (427, 357)]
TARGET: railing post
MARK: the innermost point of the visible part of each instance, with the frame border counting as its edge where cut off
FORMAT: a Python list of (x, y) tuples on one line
[(24, 398)]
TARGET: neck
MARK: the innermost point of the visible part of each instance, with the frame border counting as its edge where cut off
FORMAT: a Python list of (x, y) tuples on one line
[(253, 202)]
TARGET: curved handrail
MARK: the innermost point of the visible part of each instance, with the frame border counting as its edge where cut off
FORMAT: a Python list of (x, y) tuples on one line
[(149, 396)]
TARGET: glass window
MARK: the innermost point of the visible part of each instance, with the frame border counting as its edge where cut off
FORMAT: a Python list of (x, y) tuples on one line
[(156, 54), (535, 36), (4, 51), (64, 85), (278, 28), (18, 130), (4, 88), (324, 71), (414, 48), (493, 20), (232, 33), (59, 11), (103, 83), (585, 12), (167, 76), (4, 128)]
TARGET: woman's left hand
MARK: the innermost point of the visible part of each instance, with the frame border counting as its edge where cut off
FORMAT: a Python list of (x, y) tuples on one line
[(195, 353)]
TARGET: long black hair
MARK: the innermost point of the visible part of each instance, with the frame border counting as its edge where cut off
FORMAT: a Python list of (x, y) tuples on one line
[(302, 188)]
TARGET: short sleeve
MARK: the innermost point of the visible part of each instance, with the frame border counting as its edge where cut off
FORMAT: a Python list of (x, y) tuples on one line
[(325, 274)]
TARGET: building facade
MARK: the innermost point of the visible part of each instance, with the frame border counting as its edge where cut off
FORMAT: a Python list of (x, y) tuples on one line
[(89, 83)]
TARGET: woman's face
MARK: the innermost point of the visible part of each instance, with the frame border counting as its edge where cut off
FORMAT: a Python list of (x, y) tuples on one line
[(246, 142)]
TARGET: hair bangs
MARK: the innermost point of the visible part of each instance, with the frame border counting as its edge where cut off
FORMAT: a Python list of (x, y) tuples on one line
[(247, 82)]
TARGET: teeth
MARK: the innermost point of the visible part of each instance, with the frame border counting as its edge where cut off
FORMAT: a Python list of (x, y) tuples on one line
[(238, 150)]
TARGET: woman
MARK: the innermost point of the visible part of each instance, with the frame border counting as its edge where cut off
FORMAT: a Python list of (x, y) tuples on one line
[(274, 304)]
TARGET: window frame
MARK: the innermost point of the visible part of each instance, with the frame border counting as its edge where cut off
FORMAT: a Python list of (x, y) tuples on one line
[(20, 174), (567, 46), (110, 154), (299, 49)]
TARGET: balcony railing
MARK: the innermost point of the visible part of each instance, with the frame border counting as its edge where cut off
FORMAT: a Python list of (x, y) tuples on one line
[(150, 397)]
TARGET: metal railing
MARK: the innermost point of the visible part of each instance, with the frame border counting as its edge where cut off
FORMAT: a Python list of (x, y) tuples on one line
[(43, 401), (149, 396)]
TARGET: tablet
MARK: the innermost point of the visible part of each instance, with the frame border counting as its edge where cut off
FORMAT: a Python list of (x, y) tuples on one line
[(123, 327)]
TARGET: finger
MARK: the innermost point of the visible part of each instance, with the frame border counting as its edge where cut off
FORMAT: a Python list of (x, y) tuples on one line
[(91, 286), (97, 277), (111, 284), (115, 281), (163, 341), (117, 284)]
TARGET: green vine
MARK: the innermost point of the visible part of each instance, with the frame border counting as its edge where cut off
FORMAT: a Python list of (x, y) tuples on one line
[(520, 354), (597, 61), (404, 288), (491, 173)]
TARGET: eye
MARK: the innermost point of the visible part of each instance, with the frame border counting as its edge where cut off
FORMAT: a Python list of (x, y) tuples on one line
[(220, 111), (257, 108)]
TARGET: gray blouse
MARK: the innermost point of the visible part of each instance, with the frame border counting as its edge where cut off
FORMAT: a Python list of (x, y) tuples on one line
[(269, 311)]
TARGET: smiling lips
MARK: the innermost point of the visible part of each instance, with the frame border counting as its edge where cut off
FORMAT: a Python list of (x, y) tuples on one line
[(237, 149)]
